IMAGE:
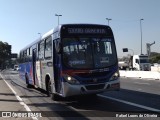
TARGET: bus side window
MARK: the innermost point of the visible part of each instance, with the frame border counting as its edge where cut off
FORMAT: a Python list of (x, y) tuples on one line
[(30, 51), (25, 55), (30, 54), (20, 57), (41, 50), (48, 47)]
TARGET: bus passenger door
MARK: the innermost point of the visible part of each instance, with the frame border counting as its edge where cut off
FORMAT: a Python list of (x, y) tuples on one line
[(36, 70), (36, 66), (56, 70)]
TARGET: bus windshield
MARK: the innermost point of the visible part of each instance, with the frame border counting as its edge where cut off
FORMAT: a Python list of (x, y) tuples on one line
[(89, 53)]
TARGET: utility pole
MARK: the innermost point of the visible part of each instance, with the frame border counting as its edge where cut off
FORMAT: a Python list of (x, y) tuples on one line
[(141, 33), (108, 20), (58, 17)]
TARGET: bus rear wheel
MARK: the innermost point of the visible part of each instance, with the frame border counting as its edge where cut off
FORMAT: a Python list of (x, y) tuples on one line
[(27, 81)]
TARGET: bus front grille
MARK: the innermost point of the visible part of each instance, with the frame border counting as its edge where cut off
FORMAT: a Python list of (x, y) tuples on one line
[(95, 87), (91, 81)]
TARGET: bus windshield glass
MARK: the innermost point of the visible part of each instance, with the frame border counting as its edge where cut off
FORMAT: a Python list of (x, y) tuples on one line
[(89, 52)]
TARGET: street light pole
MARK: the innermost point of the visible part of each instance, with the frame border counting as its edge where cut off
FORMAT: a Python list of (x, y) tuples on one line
[(141, 33), (108, 20), (58, 17)]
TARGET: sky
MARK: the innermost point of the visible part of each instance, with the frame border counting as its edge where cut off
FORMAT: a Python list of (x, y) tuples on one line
[(22, 20)]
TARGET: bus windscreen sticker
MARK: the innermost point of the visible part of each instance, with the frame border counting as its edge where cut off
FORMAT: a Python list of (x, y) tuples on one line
[(104, 60), (77, 62)]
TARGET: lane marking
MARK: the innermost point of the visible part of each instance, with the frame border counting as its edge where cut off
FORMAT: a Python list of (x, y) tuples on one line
[(142, 83), (130, 103), (19, 98)]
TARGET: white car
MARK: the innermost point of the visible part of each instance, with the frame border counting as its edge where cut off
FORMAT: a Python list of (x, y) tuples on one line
[(16, 67)]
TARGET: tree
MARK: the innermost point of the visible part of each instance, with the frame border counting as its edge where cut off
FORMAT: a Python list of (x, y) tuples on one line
[(155, 57), (5, 53)]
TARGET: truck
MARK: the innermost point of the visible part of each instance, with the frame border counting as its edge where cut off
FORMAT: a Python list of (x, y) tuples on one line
[(123, 65), (139, 62)]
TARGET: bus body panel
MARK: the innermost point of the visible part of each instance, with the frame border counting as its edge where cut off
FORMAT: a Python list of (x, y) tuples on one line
[(26, 70), (47, 70)]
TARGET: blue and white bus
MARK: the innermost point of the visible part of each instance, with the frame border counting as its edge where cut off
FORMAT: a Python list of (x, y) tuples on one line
[(72, 59)]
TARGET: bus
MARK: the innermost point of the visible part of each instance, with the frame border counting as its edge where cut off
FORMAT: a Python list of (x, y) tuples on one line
[(72, 59)]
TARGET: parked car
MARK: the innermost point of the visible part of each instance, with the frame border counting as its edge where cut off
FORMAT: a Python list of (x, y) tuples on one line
[(16, 67)]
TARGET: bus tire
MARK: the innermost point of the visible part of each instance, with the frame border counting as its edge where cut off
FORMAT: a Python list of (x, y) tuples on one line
[(27, 81), (48, 88), (55, 97), (94, 96)]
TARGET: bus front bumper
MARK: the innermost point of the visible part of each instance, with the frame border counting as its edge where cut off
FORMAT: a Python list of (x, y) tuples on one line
[(71, 90)]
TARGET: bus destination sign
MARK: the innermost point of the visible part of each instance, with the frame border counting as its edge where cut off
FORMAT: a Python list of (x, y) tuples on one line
[(87, 31)]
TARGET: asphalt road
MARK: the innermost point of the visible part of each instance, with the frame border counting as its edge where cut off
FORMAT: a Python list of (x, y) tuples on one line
[(136, 97)]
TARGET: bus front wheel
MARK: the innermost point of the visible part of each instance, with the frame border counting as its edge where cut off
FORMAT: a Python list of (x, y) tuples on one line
[(55, 97), (48, 88), (49, 92)]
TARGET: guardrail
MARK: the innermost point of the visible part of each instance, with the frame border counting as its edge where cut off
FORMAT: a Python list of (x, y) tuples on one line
[(141, 74), (155, 68)]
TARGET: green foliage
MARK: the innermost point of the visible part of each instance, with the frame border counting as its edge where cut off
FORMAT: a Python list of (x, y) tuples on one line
[(155, 57), (5, 53)]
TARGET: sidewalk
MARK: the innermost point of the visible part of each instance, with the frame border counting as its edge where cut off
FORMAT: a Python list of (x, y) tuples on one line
[(8, 101)]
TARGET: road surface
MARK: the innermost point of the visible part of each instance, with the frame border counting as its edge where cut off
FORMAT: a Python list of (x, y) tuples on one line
[(136, 97)]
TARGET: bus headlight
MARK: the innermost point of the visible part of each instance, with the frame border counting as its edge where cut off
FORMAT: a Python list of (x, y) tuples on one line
[(70, 79), (115, 76)]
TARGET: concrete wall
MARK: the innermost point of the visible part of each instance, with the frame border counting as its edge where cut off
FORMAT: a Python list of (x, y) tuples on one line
[(155, 68), (141, 74)]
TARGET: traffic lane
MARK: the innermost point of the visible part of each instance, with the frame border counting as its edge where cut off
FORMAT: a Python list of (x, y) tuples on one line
[(79, 112), (39, 101), (130, 92), (142, 85)]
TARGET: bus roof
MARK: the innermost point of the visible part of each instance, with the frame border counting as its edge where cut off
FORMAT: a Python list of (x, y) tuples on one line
[(77, 24), (47, 34), (82, 24)]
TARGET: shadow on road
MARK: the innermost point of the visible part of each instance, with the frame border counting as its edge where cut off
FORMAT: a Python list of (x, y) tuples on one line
[(142, 98)]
